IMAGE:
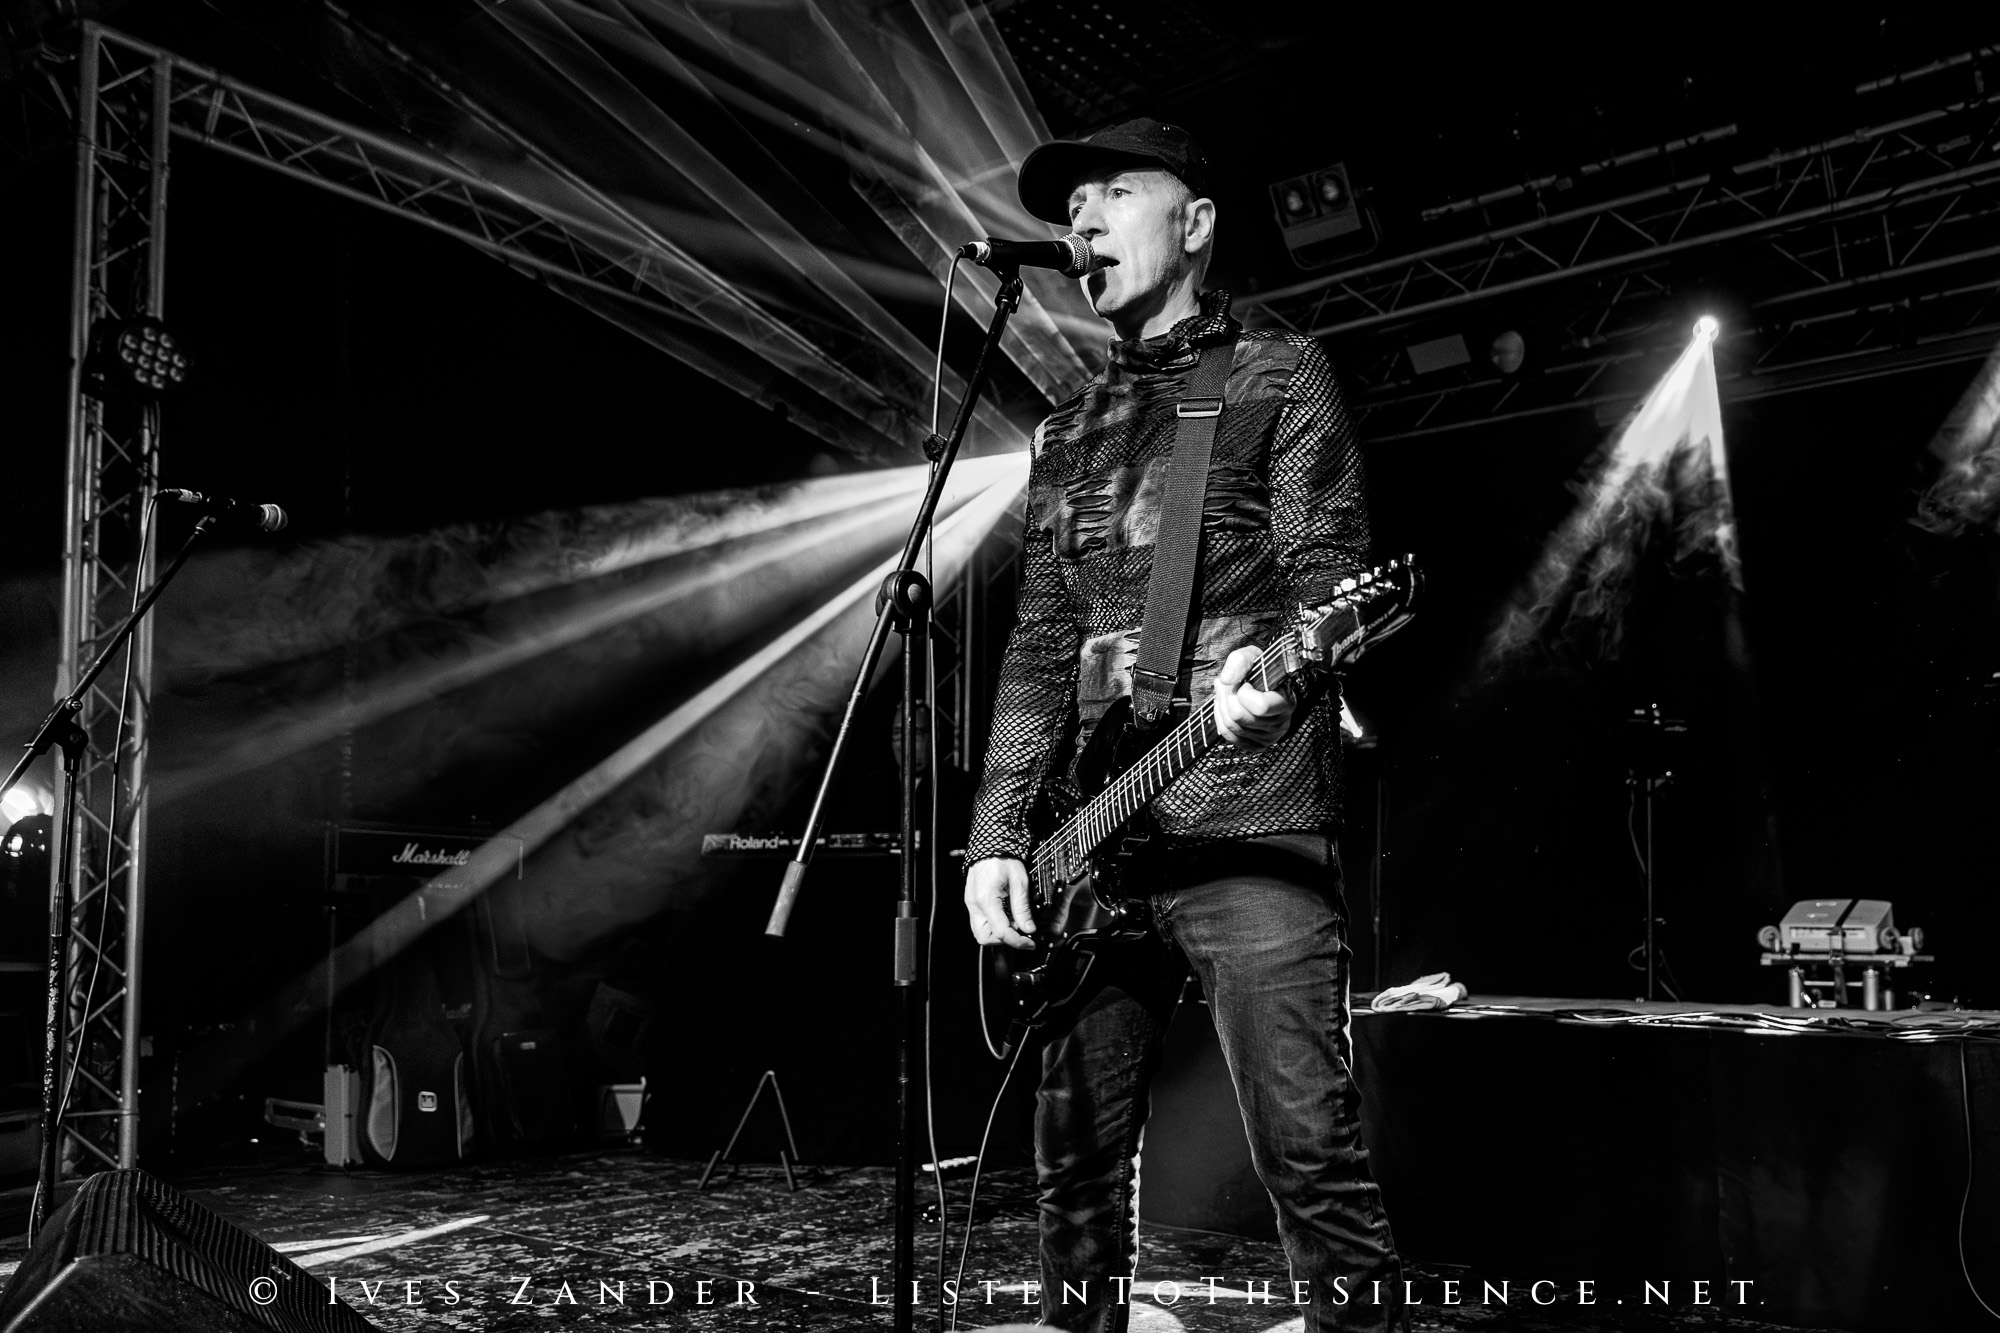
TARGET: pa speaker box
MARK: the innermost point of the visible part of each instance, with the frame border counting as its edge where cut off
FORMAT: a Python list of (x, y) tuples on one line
[(129, 1252)]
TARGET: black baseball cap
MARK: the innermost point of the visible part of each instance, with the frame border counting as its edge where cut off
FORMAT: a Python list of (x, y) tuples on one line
[(1051, 171)]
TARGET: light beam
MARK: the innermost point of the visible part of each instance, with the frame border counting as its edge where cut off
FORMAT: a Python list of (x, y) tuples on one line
[(784, 559), (1668, 470), (1966, 493), (649, 802)]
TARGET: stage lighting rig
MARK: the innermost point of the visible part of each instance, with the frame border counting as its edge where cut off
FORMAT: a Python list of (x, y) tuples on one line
[(134, 359), (1320, 217)]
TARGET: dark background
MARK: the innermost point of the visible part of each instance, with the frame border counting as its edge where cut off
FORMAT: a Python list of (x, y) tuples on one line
[(379, 380)]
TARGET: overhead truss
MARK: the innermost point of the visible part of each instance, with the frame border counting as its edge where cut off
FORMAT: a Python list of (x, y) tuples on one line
[(581, 241), (1852, 257)]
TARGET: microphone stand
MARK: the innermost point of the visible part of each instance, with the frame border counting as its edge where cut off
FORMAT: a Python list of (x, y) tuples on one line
[(62, 730), (904, 605)]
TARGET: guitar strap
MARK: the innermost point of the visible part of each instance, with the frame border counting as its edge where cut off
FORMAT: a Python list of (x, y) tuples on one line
[(1177, 549)]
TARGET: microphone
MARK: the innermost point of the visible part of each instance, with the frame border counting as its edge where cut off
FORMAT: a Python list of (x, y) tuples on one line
[(1071, 256), (236, 513)]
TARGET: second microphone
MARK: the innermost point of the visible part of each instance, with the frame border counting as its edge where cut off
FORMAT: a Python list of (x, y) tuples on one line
[(241, 514)]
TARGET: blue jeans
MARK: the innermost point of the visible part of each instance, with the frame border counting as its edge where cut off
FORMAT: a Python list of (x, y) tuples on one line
[(1263, 926)]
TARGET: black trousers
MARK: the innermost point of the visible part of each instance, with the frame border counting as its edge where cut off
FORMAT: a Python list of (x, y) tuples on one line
[(1262, 925)]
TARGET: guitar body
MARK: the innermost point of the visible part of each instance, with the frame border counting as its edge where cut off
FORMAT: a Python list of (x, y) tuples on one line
[(1081, 909), (1085, 836)]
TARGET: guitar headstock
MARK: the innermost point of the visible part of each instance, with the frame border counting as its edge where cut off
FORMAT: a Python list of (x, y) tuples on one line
[(1365, 610)]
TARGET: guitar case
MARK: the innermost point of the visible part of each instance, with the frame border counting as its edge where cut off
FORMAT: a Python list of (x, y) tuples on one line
[(518, 1070), (416, 1111)]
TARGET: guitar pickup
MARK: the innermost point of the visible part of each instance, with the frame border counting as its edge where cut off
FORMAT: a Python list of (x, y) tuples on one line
[(1199, 407)]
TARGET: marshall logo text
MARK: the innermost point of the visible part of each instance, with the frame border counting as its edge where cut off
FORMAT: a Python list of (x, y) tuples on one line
[(413, 855)]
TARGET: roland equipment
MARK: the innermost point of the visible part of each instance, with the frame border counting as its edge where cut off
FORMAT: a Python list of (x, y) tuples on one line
[(778, 844)]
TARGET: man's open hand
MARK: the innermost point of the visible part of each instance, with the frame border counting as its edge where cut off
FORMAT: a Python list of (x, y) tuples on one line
[(1244, 714), (993, 886)]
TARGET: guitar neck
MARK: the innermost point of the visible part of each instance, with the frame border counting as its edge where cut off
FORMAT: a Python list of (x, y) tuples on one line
[(1109, 811), (1363, 610)]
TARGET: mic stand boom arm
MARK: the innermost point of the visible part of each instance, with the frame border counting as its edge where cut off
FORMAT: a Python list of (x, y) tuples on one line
[(903, 604), (63, 715)]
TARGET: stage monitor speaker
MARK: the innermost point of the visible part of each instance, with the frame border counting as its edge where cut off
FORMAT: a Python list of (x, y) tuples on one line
[(130, 1252)]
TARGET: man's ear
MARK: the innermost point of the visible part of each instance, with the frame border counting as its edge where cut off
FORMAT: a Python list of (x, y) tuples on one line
[(1200, 225)]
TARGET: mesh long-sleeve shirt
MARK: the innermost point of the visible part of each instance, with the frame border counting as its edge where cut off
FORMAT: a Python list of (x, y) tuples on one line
[(1285, 520)]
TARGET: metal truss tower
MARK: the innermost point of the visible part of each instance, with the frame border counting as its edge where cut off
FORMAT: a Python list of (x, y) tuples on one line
[(113, 470)]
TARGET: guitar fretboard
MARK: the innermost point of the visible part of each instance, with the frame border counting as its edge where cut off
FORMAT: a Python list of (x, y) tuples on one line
[(1367, 608), (1175, 754)]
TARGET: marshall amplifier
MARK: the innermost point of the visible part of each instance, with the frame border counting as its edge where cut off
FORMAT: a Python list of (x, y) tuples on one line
[(413, 1104), (370, 853), (458, 1051)]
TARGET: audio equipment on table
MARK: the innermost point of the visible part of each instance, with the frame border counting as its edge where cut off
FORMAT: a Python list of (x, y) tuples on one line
[(1819, 939)]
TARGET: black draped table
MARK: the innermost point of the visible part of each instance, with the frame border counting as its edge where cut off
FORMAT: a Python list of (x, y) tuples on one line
[(1818, 1156)]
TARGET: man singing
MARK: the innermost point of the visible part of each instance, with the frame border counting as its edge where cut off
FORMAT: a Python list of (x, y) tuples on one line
[(1240, 874)]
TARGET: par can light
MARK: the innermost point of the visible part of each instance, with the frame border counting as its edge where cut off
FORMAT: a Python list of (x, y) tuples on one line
[(135, 359)]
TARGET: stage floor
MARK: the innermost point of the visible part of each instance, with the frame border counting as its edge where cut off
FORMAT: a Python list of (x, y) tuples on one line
[(510, 1236)]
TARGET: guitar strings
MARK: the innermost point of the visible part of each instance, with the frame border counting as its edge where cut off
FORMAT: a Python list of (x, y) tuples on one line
[(1122, 798)]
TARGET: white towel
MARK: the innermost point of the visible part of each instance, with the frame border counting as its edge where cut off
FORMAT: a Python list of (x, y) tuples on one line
[(1434, 991)]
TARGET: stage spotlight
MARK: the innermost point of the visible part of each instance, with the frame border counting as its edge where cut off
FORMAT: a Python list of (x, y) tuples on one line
[(1293, 201), (134, 358), (1707, 327), (1316, 213), (19, 803), (1666, 472), (24, 801)]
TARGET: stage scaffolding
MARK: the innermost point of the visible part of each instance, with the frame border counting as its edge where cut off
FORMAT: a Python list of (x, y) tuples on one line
[(1912, 200), (133, 101), (119, 272), (1856, 256)]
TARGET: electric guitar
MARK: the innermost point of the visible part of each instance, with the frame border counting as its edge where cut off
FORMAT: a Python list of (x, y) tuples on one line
[(1073, 871)]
